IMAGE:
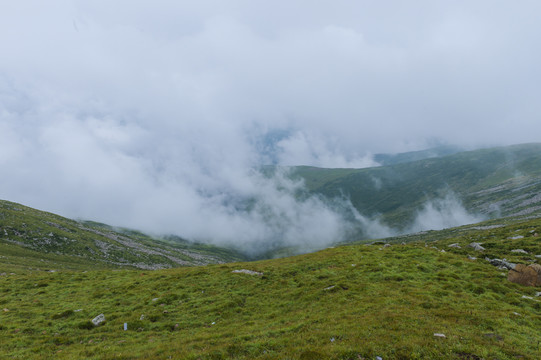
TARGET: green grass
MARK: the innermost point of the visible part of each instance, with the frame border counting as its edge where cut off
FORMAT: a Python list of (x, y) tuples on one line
[(349, 302), (399, 191)]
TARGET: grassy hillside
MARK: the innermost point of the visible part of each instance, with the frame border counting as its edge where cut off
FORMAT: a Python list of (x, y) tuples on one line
[(349, 302), (37, 239), (495, 182)]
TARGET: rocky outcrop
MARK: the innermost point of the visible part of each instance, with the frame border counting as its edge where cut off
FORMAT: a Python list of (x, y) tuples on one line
[(476, 246), (529, 275), (501, 264)]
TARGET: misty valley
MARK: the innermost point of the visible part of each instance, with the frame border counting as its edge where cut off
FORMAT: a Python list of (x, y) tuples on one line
[(428, 257)]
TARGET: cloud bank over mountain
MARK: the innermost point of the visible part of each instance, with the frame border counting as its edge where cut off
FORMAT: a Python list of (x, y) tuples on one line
[(154, 116)]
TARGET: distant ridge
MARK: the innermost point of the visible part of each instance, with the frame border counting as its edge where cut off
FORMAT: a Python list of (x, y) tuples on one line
[(393, 159), (494, 182)]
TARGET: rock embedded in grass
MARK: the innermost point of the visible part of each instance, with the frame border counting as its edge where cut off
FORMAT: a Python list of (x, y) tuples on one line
[(525, 275), (501, 264), (98, 320), (249, 272), (520, 251), (476, 246)]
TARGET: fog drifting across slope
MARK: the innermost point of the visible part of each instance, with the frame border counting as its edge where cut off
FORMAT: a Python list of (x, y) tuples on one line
[(442, 213), (152, 116)]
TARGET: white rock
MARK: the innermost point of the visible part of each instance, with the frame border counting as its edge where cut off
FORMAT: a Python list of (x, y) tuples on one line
[(249, 272), (439, 335), (98, 320), (521, 251), (455, 245), (476, 246)]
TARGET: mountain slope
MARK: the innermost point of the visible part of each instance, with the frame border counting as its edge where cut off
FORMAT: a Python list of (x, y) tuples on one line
[(493, 182), (349, 302), (46, 240)]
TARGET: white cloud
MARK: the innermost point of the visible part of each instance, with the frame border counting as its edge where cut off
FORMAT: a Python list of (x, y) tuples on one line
[(152, 116), (443, 213)]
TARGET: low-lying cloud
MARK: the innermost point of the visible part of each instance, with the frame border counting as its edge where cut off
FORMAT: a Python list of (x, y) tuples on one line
[(442, 213), (155, 117)]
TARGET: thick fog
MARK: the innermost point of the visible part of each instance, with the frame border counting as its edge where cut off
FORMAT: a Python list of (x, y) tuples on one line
[(156, 115)]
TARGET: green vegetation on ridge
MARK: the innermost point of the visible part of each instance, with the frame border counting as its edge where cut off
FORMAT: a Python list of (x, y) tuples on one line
[(46, 240), (495, 182)]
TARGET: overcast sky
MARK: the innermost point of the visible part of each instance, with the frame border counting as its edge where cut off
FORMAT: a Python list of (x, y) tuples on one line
[(150, 114)]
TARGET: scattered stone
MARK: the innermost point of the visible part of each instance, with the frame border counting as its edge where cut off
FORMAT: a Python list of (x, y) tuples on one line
[(155, 299), (98, 320), (538, 293), (525, 275), (521, 251), (249, 272), (476, 246), (516, 313), (527, 297), (442, 250), (387, 245), (142, 317), (402, 243), (77, 310), (6, 310), (472, 257), (501, 264), (455, 245), (516, 237), (439, 335), (329, 288)]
